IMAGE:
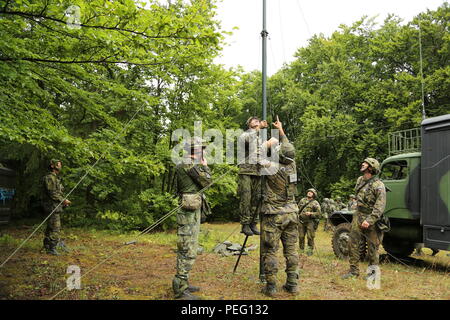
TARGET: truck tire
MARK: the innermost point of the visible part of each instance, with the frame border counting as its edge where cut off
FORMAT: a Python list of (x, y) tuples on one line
[(397, 248), (339, 242)]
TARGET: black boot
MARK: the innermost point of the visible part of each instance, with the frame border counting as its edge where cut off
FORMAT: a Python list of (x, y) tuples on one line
[(193, 288), (254, 229), (61, 245), (187, 295), (246, 230), (51, 249), (291, 288), (270, 290), (350, 274), (291, 284)]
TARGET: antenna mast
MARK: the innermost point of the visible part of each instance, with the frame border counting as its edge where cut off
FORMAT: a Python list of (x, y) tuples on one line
[(264, 35), (421, 74)]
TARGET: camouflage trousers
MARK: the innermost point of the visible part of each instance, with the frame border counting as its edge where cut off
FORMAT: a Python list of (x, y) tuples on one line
[(53, 231), (276, 227), (188, 230), (249, 191), (373, 238), (306, 228)]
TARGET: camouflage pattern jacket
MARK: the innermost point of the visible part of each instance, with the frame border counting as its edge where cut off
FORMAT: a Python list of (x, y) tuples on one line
[(191, 178), (280, 189), (325, 206), (309, 206), (250, 141), (352, 205), (340, 205), (53, 192), (371, 198)]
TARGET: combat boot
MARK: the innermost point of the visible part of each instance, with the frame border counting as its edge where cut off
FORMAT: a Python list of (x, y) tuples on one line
[(193, 288), (187, 295), (61, 245), (290, 288), (246, 230), (270, 289), (309, 252), (291, 284), (51, 248), (350, 274), (53, 251), (254, 229), (46, 244)]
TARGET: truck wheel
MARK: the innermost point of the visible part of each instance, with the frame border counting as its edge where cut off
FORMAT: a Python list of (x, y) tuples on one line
[(398, 248), (339, 242)]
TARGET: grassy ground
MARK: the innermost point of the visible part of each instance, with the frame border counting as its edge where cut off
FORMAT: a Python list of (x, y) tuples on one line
[(144, 270)]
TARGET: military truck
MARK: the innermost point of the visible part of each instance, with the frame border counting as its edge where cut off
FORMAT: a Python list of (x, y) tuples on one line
[(417, 180)]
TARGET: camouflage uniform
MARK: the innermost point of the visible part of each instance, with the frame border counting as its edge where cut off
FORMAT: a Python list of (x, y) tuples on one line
[(190, 178), (326, 211), (371, 202), (249, 181), (53, 195), (280, 218), (352, 204), (333, 206), (306, 225), (339, 204)]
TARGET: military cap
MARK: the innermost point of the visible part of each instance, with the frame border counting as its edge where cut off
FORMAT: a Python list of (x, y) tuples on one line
[(314, 191), (54, 162), (250, 120), (374, 164)]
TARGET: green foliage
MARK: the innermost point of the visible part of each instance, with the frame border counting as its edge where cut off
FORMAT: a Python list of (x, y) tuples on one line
[(342, 95), (106, 96)]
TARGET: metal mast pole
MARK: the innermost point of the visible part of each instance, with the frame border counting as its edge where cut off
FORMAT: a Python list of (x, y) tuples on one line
[(264, 35)]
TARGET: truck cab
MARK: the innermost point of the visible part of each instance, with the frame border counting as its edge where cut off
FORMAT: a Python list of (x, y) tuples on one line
[(417, 180)]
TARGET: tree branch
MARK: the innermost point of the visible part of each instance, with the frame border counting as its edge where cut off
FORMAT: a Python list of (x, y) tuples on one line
[(33, 16)]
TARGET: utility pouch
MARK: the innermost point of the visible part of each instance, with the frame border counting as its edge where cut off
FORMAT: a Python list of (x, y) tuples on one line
[(191, 201), (383, 224), (292, 178)]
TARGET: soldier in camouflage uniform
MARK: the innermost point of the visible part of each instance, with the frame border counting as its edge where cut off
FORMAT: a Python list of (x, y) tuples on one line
[(191, 176), (352, 204), (326, 211), (280, 217), (333, 206), (53, 203), (371, 197), (249, 183), (339, 204), (309, 213)]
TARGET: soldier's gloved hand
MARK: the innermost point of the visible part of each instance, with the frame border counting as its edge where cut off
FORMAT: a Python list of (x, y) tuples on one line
[(66, 203)]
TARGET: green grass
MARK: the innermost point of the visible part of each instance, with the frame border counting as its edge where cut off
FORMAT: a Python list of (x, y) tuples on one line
[(144, 270)]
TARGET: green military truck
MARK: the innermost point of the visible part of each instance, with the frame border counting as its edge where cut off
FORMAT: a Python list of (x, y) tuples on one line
[(417, 180)]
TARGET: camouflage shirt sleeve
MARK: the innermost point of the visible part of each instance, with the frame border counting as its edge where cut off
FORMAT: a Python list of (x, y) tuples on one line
[(53, 188), (379, 191), (317, 212), (201, 175)]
